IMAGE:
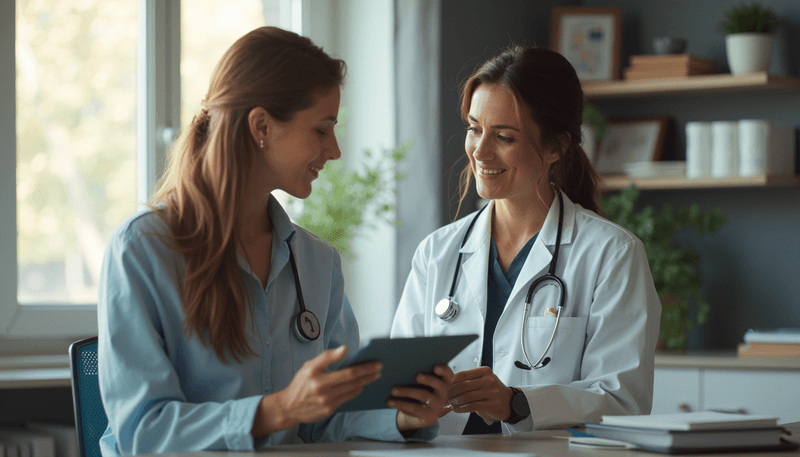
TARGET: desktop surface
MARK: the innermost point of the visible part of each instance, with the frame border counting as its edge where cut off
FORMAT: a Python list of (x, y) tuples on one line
[(544, 443)]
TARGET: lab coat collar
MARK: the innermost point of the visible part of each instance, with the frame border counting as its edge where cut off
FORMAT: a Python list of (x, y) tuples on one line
[(482, 231)]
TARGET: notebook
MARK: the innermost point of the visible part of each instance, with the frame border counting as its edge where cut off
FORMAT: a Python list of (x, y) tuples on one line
[(701, 420)]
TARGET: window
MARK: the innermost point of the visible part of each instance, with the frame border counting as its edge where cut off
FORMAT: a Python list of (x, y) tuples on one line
[(97, 101)]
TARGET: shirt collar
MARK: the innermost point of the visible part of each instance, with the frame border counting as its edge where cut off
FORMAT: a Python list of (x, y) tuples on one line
[(282, 227)]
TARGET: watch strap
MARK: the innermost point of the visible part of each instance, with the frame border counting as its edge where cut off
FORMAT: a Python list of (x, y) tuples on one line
[(515, 415)]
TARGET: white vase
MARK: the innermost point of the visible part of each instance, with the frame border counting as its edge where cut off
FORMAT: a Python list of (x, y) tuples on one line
[(748, 52)]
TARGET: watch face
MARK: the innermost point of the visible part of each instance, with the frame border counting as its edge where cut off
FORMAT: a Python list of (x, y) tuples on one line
[(520, 405)]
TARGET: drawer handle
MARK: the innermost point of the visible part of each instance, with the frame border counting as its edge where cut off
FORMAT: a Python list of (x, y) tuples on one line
[(684, 407), (730, 411)]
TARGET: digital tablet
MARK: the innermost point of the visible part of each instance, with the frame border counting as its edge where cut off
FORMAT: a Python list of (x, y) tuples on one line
[(403, 359)]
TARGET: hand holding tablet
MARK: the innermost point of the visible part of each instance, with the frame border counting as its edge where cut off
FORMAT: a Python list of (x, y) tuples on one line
[(403, 359)]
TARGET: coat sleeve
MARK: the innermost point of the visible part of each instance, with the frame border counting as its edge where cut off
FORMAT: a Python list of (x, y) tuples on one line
[(617, 365), (409, 318), (146, 407)]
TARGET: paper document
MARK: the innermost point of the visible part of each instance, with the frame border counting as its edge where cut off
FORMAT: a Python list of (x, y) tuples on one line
[(438, 452)]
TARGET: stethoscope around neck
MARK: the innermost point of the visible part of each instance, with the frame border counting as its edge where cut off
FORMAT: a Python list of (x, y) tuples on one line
[(447, 308), (305, 324)]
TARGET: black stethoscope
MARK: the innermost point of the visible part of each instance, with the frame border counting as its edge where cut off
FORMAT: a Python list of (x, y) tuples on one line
[(305, 324), (447, 308)]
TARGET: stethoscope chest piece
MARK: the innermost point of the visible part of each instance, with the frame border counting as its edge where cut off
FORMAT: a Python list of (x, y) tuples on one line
[(446, 309), (305, 326)]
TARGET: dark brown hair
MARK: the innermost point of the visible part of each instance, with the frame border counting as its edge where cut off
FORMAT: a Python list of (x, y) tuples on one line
[(205, 184), (547, 87)]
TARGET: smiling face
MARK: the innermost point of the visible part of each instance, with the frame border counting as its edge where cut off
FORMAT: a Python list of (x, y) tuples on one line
[(505, 163), (296, 151)]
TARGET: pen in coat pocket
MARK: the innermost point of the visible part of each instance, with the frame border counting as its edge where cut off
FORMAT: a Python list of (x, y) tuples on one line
[(550, 312)]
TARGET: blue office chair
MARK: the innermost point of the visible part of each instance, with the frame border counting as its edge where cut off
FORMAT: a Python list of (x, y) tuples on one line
[(90, 416)]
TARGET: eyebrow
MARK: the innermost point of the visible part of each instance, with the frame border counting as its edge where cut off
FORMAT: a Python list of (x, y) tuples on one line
[(498, 127), (332, 119)]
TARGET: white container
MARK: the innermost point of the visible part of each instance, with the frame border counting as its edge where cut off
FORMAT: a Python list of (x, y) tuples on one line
[(698, 149), (766, 148), (724, 148), (748, 52)]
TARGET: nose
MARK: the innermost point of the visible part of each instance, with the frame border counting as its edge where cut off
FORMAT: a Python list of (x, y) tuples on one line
[(332, 151), (479, 149)]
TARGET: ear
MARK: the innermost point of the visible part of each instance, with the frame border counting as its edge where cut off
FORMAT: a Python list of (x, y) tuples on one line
[(559, 148), (259, 122)]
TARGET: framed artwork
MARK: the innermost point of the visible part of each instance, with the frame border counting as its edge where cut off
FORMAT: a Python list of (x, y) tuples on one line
[(630, 140), (590, 38)]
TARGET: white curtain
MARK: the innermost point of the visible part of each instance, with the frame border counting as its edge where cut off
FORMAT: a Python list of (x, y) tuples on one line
[(417, 48)]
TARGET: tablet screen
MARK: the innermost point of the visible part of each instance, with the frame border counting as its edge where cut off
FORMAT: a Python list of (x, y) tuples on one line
[(403, 359)]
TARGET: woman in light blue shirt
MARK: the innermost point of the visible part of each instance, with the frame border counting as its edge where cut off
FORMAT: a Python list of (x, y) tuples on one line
[(221, 324)]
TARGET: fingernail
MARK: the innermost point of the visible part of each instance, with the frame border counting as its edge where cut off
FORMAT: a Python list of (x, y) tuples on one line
[(438, 370), (454, 401), (395, 392), (422, 377)]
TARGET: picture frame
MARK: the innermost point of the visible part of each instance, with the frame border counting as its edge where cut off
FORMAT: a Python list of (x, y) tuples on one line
[(630, 140), (590, 38)]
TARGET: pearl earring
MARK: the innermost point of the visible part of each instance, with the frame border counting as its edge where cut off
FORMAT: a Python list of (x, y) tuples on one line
[(261, 144)]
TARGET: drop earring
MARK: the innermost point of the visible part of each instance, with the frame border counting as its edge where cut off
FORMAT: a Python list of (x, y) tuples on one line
[(261, 144)]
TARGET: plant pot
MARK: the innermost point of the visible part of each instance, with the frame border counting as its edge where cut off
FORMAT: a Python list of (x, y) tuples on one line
[(748, 52)]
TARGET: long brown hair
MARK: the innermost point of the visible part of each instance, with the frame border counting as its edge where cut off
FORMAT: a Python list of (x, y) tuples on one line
[(545, 83), (202, 193)]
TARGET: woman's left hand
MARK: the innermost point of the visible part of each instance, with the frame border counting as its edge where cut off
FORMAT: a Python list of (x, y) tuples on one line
[(480, 391), (429, 405)]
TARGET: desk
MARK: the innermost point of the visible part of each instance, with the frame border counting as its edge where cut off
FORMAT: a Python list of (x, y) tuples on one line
[(544, 443)]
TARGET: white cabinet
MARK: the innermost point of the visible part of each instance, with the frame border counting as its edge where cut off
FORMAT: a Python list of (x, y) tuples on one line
[(763, 391), (772, 393), (676, 390)]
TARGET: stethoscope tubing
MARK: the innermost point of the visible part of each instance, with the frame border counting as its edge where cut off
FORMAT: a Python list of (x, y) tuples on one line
[(549, 276)]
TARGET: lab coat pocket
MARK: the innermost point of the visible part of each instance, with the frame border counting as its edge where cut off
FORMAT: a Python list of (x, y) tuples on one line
[(566, 352)]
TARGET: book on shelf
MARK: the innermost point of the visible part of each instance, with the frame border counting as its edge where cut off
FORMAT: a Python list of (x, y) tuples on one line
[(671, 61), (694, 432), (775, 335), (66, 441), (777, 350)]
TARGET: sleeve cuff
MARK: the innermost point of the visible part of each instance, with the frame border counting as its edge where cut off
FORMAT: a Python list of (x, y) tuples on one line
[(239, 424)]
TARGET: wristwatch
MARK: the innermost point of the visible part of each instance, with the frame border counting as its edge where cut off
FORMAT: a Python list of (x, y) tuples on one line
[(519, 407)]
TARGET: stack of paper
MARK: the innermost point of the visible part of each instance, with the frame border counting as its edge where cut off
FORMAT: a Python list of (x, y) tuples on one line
[(779, 343), (690, 432)]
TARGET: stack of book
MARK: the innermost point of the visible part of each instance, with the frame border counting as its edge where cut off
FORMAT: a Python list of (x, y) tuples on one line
[(780, 343), (704, 431), (668, 66)]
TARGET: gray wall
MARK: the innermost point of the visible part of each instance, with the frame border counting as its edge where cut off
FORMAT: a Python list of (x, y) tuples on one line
[(750, 267), (473, 31)]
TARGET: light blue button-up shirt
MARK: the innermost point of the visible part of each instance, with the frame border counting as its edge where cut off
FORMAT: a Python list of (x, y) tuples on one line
[(165, 392)]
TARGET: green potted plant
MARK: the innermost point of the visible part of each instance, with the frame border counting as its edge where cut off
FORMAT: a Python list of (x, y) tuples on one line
[(674, 269), (345, 200), (748, 41)]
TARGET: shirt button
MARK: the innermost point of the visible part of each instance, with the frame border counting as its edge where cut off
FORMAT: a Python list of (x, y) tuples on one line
[(454, 368), (267, 342), (503, 353), (475, 360)]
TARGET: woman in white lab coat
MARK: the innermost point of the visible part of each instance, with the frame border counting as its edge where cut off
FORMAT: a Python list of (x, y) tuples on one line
[(524, 110)]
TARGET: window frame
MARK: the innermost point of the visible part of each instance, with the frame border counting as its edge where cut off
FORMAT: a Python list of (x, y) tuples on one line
[(158, 98)]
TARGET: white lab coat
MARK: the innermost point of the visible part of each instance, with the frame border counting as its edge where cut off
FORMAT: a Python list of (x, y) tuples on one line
[(602, 355)]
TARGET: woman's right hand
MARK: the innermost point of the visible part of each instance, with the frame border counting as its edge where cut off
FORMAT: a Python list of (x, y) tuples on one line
[(314, 393)]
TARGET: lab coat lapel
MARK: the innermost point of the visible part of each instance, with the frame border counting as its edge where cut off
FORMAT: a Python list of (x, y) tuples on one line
[(475, 263), (541, 254)]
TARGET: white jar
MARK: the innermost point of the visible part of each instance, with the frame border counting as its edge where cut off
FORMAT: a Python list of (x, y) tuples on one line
[(724, 148), (698, 149)]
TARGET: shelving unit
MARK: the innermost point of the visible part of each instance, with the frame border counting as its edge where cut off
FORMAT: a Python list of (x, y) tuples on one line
[(618, 182), (690, 85), (694, 86)]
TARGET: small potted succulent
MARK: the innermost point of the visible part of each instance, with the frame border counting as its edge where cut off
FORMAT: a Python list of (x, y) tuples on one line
[(748, 41)]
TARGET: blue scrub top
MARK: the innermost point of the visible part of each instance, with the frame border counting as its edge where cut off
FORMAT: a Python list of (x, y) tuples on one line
[(166, 392)]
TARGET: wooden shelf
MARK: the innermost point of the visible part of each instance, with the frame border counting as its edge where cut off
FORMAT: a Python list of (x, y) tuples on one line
[(690, 85), (618, 182)]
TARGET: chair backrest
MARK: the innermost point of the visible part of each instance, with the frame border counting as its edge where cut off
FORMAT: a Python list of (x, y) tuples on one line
[(90, 416)]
